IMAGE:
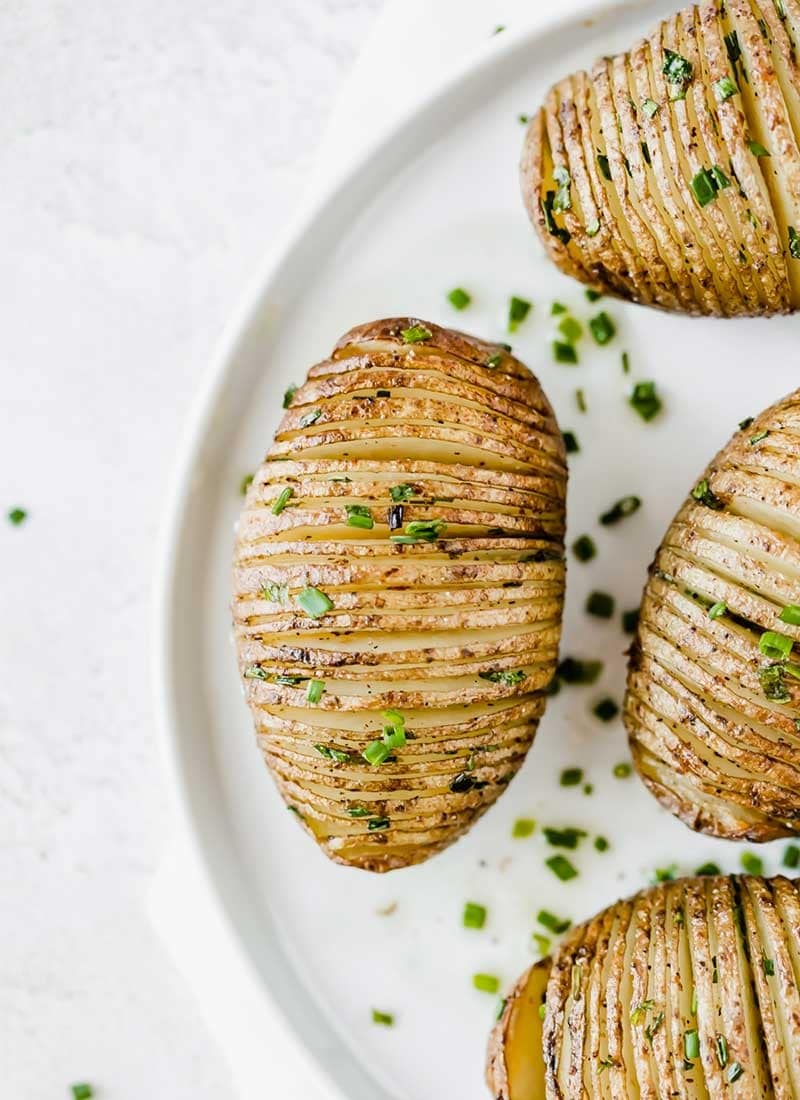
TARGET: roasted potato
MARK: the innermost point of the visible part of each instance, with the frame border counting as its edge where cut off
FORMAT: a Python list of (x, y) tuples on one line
[(670, 175), (713, 699), (398, 588), (685, 990)]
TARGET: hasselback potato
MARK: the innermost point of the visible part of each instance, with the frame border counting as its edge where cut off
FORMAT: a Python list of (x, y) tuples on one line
[(670, 175), (690, 989), (398, 588), (713, 700)]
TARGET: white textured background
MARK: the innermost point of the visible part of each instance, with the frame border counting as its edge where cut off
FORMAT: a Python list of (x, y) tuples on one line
[(149, 152)]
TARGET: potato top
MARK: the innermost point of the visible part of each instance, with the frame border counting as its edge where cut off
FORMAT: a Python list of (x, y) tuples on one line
[(713, 701), (690, 989), (398, 586), (670, 175)]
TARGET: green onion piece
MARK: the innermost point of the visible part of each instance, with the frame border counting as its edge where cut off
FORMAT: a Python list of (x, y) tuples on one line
[(703, 494), (584, 548), (561, 868), (82, 1091), (717, 609), (376, 753), (602, 328), (621, 509), (509, 677), (416, 334), (606, 710), (571, 777), (518, 310), (357, 811), (459, 298), (649, 107), (402, 492), (310, 418), (564, 353), (543, 943), (571, 444), (572, 670), (314, 690), (275, 593), (556, 308), (630, 620), (743, 424), (752, 864), (284, 498), (244, 485), (704, 187), (523, 119), (394, 737), (376, 824), (626, 363), (474, 915), (645, 401), (16, 516), (523, 827), (733, 47), (420, 531), (605, 167), (777, 647), (758, 437), (289, 395), (694, 995), (691, 1044), (313, 602), (601, 844), (486, 983), (623, 770), (724, 89), (791, 857), (567, 837), (552, 923), (600, 604), (639, 1011), (665, 874), (570, 329), (678, 72), (384, 1019), (359, 516), (757, 149), (593, 228), (593, 295), (735, 1072), (289, 681), (580, 400), (794, 243), (550, 224), (542, 1011), (494, 360), (330, 753), (721, 181), (790, 614), (771, 678), (708, 869), (255, 672), (562, 200), (768, 965)]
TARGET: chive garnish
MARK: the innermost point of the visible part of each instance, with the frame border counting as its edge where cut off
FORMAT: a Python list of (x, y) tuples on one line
[(564, 353), (562, 200), (771, 678), (708, 869), (791, 857), (794, 243), (626, 363), (678, 72), (777, 647), (508, 677), (606, 709), (665, 874), (790, 614), (593, 228), (733, 47), (645, 401), (621, 509), (580, 401), (602, 328), (584, 548), (523, 827), (310, 418), (552, 923), (703, 187), (359, 516), (744, 424), (717, 609), (605, 167), (289, 395), (758, 437), (315, 690), (523, 119), (601, 844), (768, 965), (623, 770), (384, 1019), (420, 531), (474, 915), (313, 602), (572, 670), (82, 1091), (376, 753), (330, 753), (255, 672), (724, 89), (16, 516), (561, 868), (571, 777), (459, 298), (377, 824), (554, 230), (275, 593), (752, 864), (518, 310), (286, 680), (494, 360), (691, 1044), (735, 1072), (568, 837), (416, 334), (486, 983), (630, 620), (282, 500), (702, 493), (649, 107), (543, 943), (600, 604), (402, 492), (757, 149), (592, 295), (570, 329), (556, 308), (357, 811), (571, 444), (244, 485), (640, 1010)]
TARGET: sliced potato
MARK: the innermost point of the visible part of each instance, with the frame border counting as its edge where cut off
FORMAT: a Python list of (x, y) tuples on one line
[(712, 707), (398, 588), (670, 175), (689, 989)]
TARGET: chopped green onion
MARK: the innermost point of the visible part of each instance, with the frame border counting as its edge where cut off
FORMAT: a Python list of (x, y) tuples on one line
[(791, 857), (572, 670), (401, 492), (724, 89), (704, 187), (708, 869), (703, 494), (601, 844), (735, 1072), (570, 329), (752, 864), (394, 737), (523, 827), (358, 811), (592, 295), (416, 334), (640, 1010), (289, 395), (359, 516), (571, 777), (376, 753), (777, 647), (385, 1019), (564, 353), (281, 502), (593, 228), (606, 709), (82, 1091), (518, 310), (580, 400), (623, 770), (552, 923), (691, 1044), (523, 119), (645, 401), (561, 868), (16, 516), (255, 672), (771, 678), (630, 620), (275, 593), (474, 915), (733, 47), (313, 602), (289, 681), (758, 437), (768, 966), (508, 677), (420, 531), (562, 200), (665, 874), (649, 107), (757, 149), (554, 230), (621, 509), (605, 167), (744, 424), (543, 943), (626, 363), (556, 308), (718, 609), (459, 298), (244, 485), (339, 755), (494, 360), (790, 614), (377, 824), (571, 444), (678, 72), (568, 837), (486, 983), (584, 548), (600, 604), (314, 690), (794, 243), (310, 418), (721, 181), (602, 328)]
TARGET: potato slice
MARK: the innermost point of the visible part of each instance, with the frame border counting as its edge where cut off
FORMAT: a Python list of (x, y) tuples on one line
[(712, 707), (513, 1070), (398, 588), (671, 174)]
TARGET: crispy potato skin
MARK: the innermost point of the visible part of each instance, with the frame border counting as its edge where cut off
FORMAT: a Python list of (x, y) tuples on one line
[(713, 721), (670, 175), (714, 957), (415, 493)]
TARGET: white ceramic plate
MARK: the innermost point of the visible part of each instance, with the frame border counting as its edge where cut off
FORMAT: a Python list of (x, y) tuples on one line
[(436, 205)]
